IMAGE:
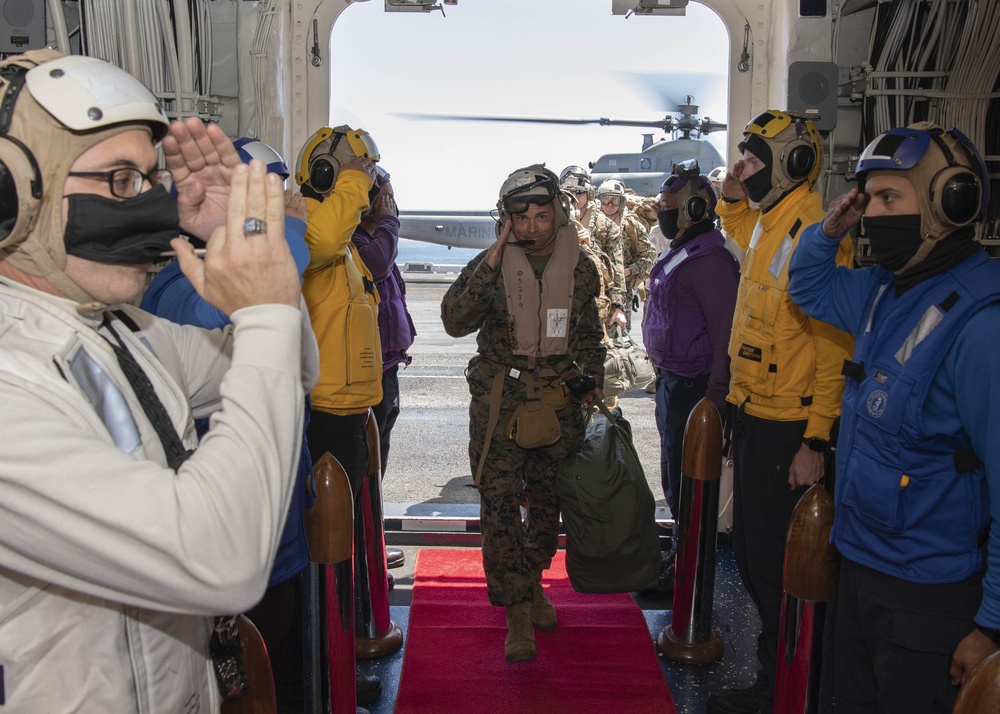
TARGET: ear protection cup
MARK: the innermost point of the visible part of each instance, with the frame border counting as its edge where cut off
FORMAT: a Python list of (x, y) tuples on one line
[(566, 203), (322, 175), (20, 188), (956, 196), (20, 176), (696, 208), (800, 159)]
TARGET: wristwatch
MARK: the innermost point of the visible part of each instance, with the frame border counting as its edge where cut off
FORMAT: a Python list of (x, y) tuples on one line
[(816, 444), (992, 632)]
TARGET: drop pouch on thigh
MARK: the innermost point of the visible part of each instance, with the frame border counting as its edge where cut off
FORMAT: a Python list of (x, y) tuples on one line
[(534, 425)]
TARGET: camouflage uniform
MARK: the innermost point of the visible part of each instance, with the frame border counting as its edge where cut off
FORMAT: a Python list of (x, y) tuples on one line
[(606, 237), (640, 255), (512, 550), (606, 273)]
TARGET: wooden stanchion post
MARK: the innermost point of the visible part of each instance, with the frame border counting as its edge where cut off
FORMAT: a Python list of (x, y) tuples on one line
[(812, 570), (981, 692), (377, 634), (689, 638), (328, 597), (261, 698)]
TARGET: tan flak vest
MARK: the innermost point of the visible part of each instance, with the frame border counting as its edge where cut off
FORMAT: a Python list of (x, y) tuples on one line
[(541, 316)]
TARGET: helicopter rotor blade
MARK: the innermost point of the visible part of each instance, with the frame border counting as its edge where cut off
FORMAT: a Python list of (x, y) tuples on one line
[(603, 121), (708, 90), (708, 126)]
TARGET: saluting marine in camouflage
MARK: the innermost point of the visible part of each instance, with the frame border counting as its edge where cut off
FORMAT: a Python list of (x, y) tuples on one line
[(518, 355)]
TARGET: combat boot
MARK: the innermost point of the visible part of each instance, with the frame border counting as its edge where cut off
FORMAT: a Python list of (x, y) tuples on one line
[(520, 643), (543, 614)]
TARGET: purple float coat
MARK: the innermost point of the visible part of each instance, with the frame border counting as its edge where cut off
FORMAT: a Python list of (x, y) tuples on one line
[(689, 315), (378, 250)]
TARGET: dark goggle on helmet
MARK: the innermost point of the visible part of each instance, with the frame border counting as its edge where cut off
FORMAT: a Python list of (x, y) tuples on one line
[(540, 192)]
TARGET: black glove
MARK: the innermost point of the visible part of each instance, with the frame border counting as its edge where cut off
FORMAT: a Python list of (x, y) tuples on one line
[(581, 386)]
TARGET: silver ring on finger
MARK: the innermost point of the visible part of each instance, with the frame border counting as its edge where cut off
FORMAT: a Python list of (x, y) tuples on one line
[(254, 227)]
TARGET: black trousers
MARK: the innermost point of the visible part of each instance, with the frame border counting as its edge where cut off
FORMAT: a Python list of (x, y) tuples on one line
[(278, 617), (345, 438), (347, 441), (675, 397), (762, 508), (387, 411), (894, 641)]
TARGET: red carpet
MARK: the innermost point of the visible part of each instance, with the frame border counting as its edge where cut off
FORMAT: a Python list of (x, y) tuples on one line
[(601, 659)]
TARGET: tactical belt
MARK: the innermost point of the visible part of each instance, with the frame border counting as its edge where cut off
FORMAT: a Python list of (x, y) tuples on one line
[(539, 377)]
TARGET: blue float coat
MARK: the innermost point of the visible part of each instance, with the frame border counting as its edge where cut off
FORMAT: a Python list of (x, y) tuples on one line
[(964, 394)]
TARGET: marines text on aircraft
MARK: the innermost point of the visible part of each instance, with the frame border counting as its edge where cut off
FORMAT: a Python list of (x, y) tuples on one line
[(456, 229)]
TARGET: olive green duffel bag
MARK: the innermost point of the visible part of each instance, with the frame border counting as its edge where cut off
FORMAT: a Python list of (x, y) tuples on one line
[(612, 543)]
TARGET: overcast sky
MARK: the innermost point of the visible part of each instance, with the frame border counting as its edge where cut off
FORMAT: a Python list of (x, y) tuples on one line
[(549, 58)]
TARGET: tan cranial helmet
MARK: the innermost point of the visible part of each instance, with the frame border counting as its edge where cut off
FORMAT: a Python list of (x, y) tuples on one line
[(53, 108), (789, 145), (946, 170), (611, 187), (536, 185), (577, 178)]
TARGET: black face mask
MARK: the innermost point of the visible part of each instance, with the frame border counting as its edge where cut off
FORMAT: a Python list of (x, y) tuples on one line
[(894, 239), (132, 232), (758, 185), (667, 218)]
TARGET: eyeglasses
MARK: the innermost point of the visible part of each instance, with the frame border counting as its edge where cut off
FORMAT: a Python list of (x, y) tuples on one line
[(578, 191), (127, 183), (611, 200)]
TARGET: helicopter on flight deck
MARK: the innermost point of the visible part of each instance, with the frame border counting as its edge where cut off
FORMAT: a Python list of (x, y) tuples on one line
[(643, 172)]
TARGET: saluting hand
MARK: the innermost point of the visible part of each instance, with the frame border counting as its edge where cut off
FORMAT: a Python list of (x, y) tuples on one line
[(845, 212), (385, 205), (732, 186), (241, 269), (359, 163), (295, 205), (495, 252), (201, 159)]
